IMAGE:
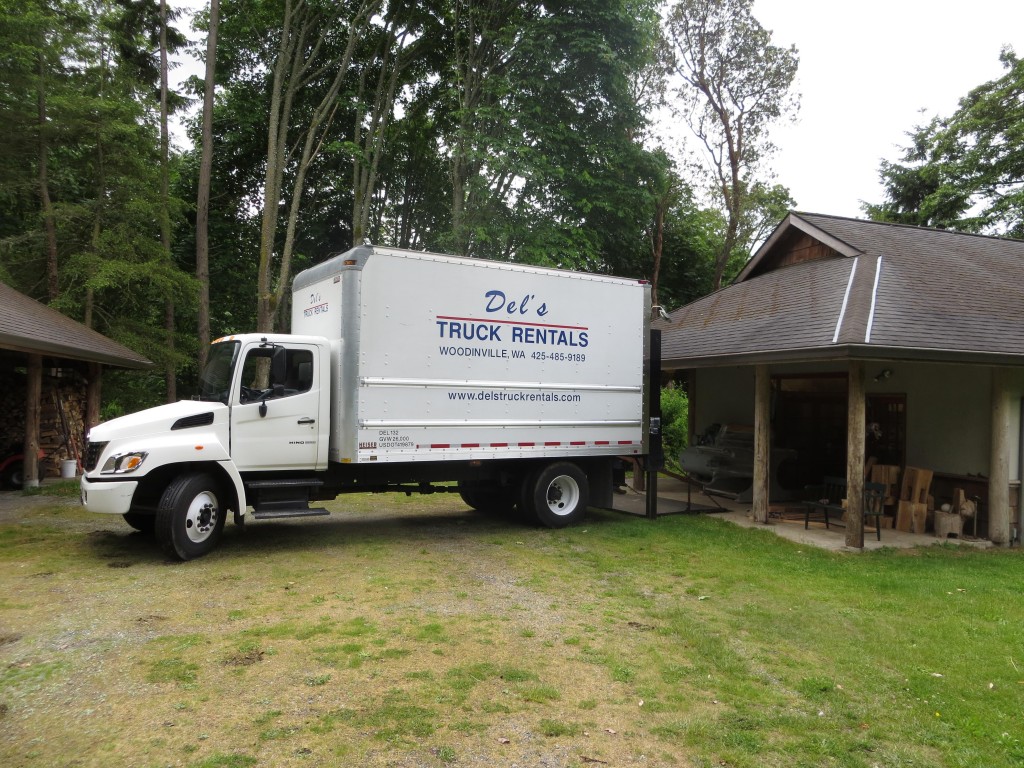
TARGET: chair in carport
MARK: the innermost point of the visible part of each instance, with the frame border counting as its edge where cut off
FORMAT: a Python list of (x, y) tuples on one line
[(830, 501), (874, 504)]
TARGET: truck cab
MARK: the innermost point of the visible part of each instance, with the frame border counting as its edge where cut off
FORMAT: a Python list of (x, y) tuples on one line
[(263, 408)]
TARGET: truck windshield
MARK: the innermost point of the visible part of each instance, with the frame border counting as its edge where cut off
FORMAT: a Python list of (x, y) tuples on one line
[(215, 383)]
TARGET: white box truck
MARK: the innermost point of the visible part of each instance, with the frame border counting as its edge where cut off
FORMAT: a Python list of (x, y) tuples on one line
[(406, 371)]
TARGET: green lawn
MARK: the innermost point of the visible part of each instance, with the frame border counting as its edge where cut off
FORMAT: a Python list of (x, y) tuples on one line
[(409, 632)]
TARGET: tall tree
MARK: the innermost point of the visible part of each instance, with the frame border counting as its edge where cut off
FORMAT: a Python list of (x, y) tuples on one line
[(397, 48), (95, 64), (170, 368), (314, 52), (203, 193), (665, 192), (49, 218), (736, 84), (37, 40), (964, 172), (544, 134)]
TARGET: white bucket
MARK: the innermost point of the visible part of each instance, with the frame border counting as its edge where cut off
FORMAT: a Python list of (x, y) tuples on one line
[(68, 468)]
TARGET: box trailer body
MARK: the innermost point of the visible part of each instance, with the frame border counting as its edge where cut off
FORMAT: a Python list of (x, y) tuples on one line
[(405, 371)]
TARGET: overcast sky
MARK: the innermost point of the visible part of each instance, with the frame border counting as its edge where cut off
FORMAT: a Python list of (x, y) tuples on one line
[(867, 69)]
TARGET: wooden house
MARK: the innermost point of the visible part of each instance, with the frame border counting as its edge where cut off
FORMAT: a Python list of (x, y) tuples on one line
[(850, 341), (50, 380)]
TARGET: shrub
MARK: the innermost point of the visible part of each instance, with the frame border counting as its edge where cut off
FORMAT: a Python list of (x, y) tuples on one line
[(675, 422)]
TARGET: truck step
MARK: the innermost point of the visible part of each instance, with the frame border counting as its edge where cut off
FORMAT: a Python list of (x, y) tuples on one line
[(276, 514), (286, 482)]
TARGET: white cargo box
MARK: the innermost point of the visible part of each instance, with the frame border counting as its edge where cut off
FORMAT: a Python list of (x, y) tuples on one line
[(437, 357)]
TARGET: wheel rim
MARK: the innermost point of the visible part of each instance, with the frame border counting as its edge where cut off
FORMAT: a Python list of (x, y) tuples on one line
[(201, 518), (563, 495)]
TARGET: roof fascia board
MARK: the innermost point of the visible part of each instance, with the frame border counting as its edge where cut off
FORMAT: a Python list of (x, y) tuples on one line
[(793, 220), (70, 353), (846, 353)]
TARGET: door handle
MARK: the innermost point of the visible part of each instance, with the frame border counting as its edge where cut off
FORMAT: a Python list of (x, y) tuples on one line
[(307, 420)]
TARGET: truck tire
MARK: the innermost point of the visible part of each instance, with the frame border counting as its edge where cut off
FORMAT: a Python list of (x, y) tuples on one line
[(487, 497), (140, 521), (556, 495), (190, 517)]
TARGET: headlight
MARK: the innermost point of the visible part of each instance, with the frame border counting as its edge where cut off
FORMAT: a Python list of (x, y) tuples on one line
[(120, 463)]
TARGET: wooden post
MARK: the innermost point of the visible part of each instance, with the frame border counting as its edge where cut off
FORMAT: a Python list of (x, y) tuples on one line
[(93, 396), (999, 461), (855, 429), (762, 440), (33, 407)]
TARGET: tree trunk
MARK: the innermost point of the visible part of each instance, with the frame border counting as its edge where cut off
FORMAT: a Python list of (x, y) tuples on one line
[(368, 161), (658, 243), (170, 374), (93, 396), (280, 107), (49, 222), (203, 197), (292, 72)]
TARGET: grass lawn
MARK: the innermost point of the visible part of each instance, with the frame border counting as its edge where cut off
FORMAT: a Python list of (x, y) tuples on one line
[(412, 632)]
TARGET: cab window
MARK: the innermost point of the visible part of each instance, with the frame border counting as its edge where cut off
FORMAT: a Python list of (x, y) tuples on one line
[(274, 372)]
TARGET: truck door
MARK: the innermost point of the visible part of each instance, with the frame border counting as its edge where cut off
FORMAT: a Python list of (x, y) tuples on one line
[(275, 408)]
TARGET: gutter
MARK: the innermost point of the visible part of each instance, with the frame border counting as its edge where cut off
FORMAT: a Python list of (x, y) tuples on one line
[(845, 352)]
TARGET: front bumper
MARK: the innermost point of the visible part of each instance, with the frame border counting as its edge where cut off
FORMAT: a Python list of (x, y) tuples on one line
[(113, 498)]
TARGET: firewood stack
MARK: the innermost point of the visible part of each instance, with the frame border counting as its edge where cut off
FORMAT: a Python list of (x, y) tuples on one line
[(61, 419)]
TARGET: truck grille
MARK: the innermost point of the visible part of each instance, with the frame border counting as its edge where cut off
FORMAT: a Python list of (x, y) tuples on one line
[(92, 455)]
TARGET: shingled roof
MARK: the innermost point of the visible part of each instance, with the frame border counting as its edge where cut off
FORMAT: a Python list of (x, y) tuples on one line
[(826, 287), (30, 327)]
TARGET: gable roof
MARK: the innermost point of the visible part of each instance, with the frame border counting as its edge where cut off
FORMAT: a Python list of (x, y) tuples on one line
[(30, 327), (827, 287)]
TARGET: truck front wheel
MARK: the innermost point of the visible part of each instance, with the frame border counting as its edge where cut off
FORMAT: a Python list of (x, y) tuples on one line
[(557, 495), (190, 517), (140, 521)]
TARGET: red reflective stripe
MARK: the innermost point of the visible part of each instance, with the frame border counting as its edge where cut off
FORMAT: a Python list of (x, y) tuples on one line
[(601, 442), (526, 445), (578, 442), (471, 445), (499, 445), (440, 445), (511, 322), (625, 442), (552, 444)]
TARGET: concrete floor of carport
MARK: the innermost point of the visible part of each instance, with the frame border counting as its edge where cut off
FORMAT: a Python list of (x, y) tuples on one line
[(675, 498)]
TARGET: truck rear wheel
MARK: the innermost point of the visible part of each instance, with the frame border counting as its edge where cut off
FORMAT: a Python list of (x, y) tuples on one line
[(190, 518), (487, 497), (556, 495)]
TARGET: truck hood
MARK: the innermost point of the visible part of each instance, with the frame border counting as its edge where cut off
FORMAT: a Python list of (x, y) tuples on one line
[(159, 420)]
